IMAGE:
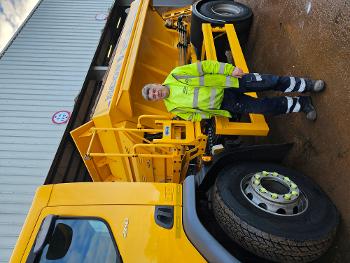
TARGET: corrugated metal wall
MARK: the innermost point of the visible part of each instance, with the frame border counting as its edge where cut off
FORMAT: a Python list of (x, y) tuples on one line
[(41, 72)]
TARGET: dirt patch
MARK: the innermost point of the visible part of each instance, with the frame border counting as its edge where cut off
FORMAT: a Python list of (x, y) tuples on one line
[(310, 38)]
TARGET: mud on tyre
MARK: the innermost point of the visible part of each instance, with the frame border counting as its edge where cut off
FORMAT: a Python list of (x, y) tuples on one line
[(296, 224)]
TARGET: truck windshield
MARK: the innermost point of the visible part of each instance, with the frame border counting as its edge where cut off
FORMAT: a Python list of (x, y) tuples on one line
[(79, 240)]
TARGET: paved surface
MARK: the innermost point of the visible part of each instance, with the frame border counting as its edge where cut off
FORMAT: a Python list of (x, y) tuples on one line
[(311, 38)]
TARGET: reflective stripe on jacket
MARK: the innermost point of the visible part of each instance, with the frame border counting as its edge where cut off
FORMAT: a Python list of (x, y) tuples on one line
[(197, 90)]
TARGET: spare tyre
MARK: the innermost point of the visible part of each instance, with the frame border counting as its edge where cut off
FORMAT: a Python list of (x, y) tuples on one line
[(219, 13), (274, 212)]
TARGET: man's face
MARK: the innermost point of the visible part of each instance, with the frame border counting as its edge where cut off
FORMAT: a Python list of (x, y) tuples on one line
[(158, 92)]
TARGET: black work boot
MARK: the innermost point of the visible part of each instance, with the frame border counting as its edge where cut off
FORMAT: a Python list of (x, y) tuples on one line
[(308, 108), (315, 85)]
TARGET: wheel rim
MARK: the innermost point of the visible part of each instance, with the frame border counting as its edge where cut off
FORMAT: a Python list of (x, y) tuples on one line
[(274, 193), (226, 10)]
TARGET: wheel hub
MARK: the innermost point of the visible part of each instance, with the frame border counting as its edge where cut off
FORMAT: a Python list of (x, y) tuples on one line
[(274, 193), (226, 9)]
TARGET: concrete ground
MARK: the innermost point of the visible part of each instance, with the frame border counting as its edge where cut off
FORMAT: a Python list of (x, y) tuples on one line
[(311, 38)]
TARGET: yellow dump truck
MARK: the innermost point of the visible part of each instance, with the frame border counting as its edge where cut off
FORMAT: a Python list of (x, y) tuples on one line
[(170, 190)]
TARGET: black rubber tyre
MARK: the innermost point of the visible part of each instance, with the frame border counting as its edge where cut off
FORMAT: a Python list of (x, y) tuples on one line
[(214, 12), (226, 11), (297, 238)]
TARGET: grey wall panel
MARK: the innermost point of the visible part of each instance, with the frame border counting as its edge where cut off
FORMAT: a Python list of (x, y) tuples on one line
[(41, 71), (24, 180), (37, 114), (49, 91), (11, 147), (16, 188), (4, 219), (14, 170)]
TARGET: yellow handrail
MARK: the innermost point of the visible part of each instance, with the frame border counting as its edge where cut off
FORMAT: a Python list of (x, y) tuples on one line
[(156, 117)]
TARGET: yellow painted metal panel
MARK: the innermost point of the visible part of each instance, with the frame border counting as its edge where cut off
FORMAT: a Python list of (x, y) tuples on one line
[(258, 125), (208, 42), (142, 240), (110, 141), (117, 68), (116, 193), (143, 32), (82, 137), (256, 128), (236, 50)]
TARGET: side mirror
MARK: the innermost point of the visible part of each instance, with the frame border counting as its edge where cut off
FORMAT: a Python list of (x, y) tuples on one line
[(45, 231), (60, 242)]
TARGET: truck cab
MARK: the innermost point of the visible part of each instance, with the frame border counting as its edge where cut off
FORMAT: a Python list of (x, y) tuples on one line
[(114, 222)]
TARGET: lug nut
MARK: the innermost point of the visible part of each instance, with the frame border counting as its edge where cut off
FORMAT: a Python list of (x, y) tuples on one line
[(294, 193), (286, 179), (287, 196), (274, 196), (263, 190)]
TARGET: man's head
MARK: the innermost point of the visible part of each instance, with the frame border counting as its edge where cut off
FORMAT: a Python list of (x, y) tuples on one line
[(155, 92)]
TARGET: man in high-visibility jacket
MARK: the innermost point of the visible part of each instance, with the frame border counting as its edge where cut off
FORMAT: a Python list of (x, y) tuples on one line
[(204, 89)]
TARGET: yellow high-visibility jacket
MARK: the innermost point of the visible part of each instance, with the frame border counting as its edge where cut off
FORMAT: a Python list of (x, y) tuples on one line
[(197, 90)]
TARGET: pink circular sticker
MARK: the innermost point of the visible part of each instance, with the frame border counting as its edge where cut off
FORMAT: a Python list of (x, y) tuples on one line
[(61, 117)]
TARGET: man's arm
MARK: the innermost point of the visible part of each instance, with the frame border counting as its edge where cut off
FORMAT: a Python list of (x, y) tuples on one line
[(216, 67), (201, 68), (227, 69)]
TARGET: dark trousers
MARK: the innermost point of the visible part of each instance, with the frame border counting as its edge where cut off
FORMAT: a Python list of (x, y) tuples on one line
[(235, 101)]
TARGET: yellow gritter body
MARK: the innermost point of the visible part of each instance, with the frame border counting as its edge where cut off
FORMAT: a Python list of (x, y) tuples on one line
[(113, 144)]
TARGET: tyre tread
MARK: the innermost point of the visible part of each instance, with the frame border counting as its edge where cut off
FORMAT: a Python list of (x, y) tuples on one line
[(263, 244)]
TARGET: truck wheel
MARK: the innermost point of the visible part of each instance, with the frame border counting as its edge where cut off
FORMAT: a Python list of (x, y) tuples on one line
[(274, 212), (219, 13), (225, 11)]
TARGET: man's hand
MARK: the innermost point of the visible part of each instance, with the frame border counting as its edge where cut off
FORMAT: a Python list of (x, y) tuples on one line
[(237, 72)]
